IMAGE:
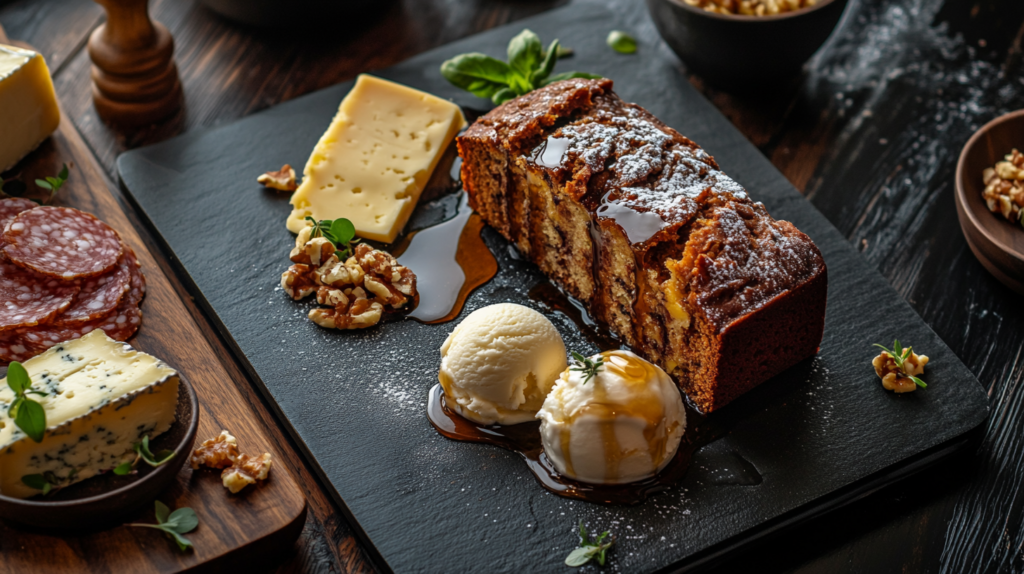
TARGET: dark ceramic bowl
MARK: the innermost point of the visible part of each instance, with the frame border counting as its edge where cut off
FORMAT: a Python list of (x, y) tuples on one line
[(997, 243), (744, 52), (318, 13), (108, 499)]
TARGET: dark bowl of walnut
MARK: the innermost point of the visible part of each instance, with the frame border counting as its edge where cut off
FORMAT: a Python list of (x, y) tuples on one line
[(997, 242), (108, 499), (745, 53)]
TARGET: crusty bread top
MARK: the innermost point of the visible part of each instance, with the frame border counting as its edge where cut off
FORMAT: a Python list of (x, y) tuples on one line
[(681, 214)]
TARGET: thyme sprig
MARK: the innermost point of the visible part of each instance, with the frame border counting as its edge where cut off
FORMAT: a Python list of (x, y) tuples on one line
[(587, 366), (899, 355)]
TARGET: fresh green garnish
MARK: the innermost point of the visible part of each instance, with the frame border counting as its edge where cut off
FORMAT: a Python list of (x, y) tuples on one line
[(27, 414), (529, 67), (587, 366), (564, 52), (53, 184), (588, 549), (143, 453), (899, 354), (621, 42), (340, 232), (45, 482), (174, 524)]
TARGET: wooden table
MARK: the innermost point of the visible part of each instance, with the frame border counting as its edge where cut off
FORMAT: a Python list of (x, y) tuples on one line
[(870, 135)]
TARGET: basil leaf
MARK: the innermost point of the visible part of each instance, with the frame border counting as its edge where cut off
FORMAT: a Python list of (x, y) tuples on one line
[(35, 481), (621, 42), (464, 69), (17, 378), (161, 511), (123, 469), (485, 89), (570, 76), (580, 556), (44, 184), (182, 520), (343, 230), (547, 66), (32, 420), (525, 53), (63, 175), (503, 95)]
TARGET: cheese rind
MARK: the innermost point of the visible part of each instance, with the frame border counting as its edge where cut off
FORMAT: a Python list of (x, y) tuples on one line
[(28, 104), (374, 160), (102, 396)]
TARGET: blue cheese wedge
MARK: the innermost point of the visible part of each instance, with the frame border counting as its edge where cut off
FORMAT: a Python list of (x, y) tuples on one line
[(102, 397)]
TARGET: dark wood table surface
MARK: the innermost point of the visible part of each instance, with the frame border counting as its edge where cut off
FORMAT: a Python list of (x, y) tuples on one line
[(870, 134)]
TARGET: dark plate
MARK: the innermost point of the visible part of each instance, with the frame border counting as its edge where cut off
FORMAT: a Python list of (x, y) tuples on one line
[(818, 436), (997, 243), (107, 499)]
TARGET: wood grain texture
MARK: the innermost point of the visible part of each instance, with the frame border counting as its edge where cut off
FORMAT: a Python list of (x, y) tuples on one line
[(918, 74), (258, 523)]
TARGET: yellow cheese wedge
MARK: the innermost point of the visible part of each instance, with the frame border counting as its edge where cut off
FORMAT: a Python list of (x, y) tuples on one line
[(375, 158), (28, 105), (100, 398)]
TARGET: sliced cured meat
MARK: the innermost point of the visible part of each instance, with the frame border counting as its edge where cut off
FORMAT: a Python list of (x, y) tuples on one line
[(9, 209), (138, 281), (25, 343), (27, 298), (62, 242), (99, 295)]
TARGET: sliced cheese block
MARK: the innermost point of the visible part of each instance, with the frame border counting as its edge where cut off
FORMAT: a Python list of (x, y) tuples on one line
[(28, 105), (102, 396), (375, 158)]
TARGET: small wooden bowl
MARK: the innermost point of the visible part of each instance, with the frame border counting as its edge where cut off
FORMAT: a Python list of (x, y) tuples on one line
[(109, 499), (997, 243), (745, 52)]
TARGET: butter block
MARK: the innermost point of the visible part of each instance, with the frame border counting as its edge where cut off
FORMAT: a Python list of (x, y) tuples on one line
[(375, 158), (28, 104), (102, 396)]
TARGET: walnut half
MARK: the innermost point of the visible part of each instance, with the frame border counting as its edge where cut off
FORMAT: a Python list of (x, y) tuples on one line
[(240, 470), (896, 379), (282, 179)]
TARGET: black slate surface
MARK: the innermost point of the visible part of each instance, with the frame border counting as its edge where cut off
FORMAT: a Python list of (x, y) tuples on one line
[(818, 435)]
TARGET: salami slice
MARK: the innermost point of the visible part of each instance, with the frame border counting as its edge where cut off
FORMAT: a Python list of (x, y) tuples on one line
[(99, 295), (62, 242), (27, 298), (25, 343), (9, 209), (138, 281)]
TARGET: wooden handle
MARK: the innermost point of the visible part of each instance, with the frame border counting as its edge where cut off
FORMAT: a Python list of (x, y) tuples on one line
[(135, 80)]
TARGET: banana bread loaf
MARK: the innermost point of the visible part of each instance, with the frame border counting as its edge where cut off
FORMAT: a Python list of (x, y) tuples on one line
[(637, 222)]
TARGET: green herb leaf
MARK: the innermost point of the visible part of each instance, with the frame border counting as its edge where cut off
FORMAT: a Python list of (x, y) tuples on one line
[(17, 378), (182, 521), (564, 52), (918, 381), (36, 481), (63, 175), (580, 556), (162, 511), (621, 42), (44, 184), (464, 69), (154, 460), (174, 524), (590, 368), (31, 419), (503, 95), (123, 469), (525, 53), (343, 230), (547, 65)]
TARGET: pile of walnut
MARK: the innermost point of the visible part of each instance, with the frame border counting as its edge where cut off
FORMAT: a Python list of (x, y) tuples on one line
[(1004, 187), (751, 7), (357, 292), (896, 379), (240, 470)]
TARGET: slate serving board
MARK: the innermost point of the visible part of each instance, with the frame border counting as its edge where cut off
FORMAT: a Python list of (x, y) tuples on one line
[(818, 436)]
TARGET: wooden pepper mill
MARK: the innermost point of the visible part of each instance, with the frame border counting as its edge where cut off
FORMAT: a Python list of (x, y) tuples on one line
[(135, 81)]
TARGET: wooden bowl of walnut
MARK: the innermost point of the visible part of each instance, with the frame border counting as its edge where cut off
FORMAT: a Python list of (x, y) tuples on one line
[(997, 242)]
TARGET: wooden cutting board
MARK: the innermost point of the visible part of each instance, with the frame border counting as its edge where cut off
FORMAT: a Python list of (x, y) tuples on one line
[(249, 527)]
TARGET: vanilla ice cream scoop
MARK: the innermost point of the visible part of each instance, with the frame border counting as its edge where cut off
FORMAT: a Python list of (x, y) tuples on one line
[(499, 364), (620, 426)]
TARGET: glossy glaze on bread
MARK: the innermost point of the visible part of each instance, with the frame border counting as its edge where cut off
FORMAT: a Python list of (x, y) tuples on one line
[(637, 222)]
